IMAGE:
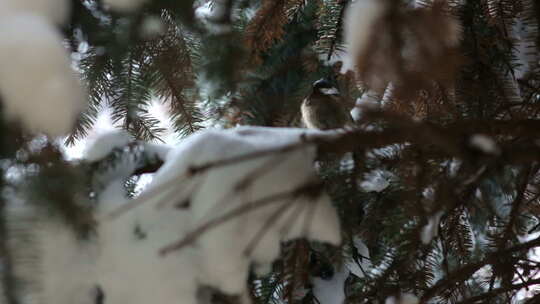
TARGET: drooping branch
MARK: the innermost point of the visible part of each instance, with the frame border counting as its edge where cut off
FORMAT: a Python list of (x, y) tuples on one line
[(266, 27), (307, 189), (468, 270)]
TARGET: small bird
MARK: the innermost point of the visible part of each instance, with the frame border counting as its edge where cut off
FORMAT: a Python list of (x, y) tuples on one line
[(324, 108)]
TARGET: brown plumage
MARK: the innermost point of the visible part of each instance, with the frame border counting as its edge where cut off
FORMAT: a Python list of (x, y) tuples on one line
[(324, 109)]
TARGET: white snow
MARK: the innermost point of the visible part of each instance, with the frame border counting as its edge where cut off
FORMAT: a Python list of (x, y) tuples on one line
[(104, 143), (387, 95), (125, 263), (37, 84), (431, 229), (484, 143), (100, 146), (209, 12), (523, 48), (204, 11), (152, 27), (104, 124), (453, 167), (124, 6), (60, 251), (129, 267), (159, 151), (375, 181), (337, 56), (369, 100), (361, 266), (56, 11), (429, 194), (360, 19), (404, 298), (214, 194), (113, 196), (330, 291)]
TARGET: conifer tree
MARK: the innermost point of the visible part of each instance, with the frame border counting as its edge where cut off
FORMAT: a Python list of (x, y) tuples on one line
[(436, 184)]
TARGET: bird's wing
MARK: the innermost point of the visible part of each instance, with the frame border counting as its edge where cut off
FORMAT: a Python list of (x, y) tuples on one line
[(342, 111)]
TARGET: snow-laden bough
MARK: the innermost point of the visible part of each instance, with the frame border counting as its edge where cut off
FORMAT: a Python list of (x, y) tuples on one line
[(55, 11), (251, 187), (38, 87)]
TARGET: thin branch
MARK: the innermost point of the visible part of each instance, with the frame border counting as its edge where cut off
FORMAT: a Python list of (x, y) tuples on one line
[(448, 140), (466, 271), (339, 28), (483, 298), (307, 189)]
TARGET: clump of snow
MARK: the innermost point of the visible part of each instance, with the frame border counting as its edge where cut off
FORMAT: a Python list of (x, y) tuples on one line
[(122, 261), (429, 194), (61, 251), (484, 143), (453, 167), (37, 85), (56, 11), (126, 263), (129, 264), (431, 229), (336, 56), (522, 47), (375, 181), (219, 9), (38, 244), (211, 14), (113, 196), (360, 19), (369, 100), (330, 291), (404, 298), (159, 151), (362, 263), (124, 6), (152, 27), (204, 11), (216, 192), (100, 146)]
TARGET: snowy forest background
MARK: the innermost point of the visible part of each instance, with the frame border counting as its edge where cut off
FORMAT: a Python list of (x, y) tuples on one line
[(153, 151)]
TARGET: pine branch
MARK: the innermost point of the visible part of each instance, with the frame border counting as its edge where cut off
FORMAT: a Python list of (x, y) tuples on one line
[(96, 69), (132, 96), (173, 75), (266, 28), (329, 26), (339, 28), (517, 204), (468, 270)]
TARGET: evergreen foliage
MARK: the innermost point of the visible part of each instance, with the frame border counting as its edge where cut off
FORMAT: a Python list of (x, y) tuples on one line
[(254, 64)]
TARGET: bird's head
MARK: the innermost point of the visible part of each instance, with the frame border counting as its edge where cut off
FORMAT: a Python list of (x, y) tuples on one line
[(324, 86)]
